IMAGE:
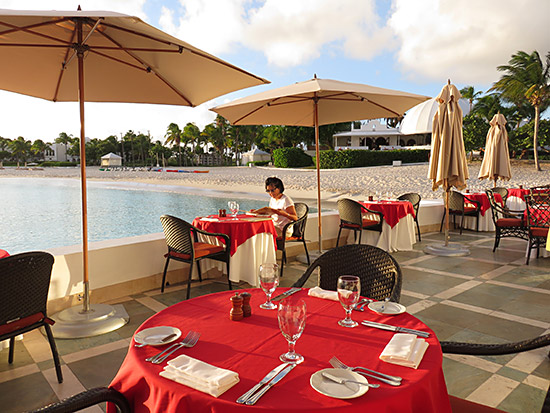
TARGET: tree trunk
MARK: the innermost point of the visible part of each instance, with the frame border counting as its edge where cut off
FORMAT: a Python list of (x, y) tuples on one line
[(535, 138)]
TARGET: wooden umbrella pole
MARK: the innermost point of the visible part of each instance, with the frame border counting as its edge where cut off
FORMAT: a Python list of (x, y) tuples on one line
[(446, 215), (318, 167), (80, 55)]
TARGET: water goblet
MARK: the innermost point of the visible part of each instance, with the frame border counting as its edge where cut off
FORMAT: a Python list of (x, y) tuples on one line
[(349, 290), (292, 320), (235, 209), (269, 280)]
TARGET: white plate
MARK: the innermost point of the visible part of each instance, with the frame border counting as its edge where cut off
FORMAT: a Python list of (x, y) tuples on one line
[(153, 336), (339, 391), (389, 309)]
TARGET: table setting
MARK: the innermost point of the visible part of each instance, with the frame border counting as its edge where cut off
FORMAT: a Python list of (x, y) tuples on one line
[(309, 353)]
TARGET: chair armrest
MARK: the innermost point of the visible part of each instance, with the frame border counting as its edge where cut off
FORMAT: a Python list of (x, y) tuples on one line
[(370, 211), (225, 237), (87, 399), (473, 201)]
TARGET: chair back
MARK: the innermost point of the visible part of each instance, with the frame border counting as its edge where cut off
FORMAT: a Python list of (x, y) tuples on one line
[(178, 234), (413, 198), (299, 226), (502, 191), (25, 280), (379, 272), (496, 209), (456, 201), (538, 210), (350, 211)]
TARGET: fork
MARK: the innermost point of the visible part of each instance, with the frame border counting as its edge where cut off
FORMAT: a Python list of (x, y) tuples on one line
[(189, 343), (393, 380), (185, 340)]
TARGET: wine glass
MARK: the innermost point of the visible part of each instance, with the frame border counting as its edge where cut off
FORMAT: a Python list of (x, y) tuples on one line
[(269, 280), (292, 320), (349, 290), (234, 208)]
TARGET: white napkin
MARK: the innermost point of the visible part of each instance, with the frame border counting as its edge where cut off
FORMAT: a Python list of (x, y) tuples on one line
[(320, 293), (200, 375), (405, 350), (210, 219)]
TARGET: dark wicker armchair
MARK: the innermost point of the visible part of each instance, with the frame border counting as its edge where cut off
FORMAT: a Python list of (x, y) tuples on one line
[(351, 217), (461, 205), (298, 230), (538, 221), (25, 282), (502, 191), (379, 272), (87, 399), (183, 245), (508, 223), (414, 199)]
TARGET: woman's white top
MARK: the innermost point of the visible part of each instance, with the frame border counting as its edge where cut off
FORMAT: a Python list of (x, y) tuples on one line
[(282, 203)]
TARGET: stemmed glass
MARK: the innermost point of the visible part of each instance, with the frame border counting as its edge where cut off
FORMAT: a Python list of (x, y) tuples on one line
[(269, 280), (234, 208), (292, 320), (349, 290)]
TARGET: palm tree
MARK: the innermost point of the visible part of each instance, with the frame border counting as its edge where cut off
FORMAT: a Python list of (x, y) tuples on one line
[(20, 148), (469, 92), (64, 139), (527, 80), (173, 136), (39, 147), (487, 106), (4, 152)]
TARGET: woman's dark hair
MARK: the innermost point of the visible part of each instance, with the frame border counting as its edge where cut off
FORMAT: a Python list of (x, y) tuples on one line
[(276, 182)]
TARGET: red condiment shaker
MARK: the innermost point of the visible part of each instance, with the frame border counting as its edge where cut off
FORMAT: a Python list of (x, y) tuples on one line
[(247, 310), (236, 312)]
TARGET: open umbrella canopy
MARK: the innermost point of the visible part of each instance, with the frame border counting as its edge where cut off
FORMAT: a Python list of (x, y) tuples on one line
[(419, 119), (496, 161), (126, 60), (448, 166)]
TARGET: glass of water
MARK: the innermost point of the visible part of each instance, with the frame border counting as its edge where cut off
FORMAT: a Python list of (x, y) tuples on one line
[(349, 291), (269, 280)]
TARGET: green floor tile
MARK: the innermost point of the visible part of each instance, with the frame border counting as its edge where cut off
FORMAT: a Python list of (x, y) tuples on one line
[(26, 393), (523, 399), (490, 296), (512, 374), (427, 283), (98, 370), (462, 379)]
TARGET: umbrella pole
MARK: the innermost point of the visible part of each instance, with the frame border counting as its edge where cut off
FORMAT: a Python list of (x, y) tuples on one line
[(318, 167), (447, 217)]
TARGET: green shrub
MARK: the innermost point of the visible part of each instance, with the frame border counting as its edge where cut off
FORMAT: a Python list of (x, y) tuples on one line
[(55, 163), (291, 158), (258, 163), (354, 158)]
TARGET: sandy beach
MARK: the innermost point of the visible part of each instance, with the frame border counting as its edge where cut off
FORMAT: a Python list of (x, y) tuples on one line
[(299, 183)]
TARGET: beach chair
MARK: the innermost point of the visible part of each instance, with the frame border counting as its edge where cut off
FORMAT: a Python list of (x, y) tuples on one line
[(508, 223)]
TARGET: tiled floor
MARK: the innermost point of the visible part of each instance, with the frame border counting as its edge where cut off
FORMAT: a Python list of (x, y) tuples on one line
[(485, 297)]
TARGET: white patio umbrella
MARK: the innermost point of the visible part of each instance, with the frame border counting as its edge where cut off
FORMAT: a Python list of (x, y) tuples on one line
[(102, 56), (318, 102), (419, 119), (496, 160)]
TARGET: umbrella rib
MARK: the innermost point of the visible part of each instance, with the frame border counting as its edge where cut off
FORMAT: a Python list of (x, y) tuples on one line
[(62, 71), (33, 26)]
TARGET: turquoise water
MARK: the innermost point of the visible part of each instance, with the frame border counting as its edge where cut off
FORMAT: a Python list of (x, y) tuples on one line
[(37, 214)]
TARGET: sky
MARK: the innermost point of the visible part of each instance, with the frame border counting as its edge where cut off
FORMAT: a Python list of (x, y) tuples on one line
[(408, 45)]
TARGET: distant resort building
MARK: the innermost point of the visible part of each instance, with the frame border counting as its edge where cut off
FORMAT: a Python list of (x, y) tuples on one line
[(111, 159), (209, 159), (255, 155)]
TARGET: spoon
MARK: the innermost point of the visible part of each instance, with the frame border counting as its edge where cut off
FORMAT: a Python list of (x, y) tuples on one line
[(341, 380), (383, 307), (164, 340)]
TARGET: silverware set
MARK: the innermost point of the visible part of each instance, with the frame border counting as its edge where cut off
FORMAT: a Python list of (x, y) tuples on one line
[(272, 378), (384, 378), (189, 341), (360, 306), (397, 329)]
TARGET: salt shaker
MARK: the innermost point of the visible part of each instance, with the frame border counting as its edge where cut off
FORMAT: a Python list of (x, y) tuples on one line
[(236, 312), (247, 310)]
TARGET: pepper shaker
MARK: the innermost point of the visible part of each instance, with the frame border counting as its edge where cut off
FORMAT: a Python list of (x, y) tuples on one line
[(236, 312), (247, 310)]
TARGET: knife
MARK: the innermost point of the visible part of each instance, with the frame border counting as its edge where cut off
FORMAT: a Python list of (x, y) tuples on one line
[(268, 377), (286, 294), (395, 328), (269, 385)]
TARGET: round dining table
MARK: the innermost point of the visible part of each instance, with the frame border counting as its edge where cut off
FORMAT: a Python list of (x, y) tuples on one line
[(485, 220), (4, 254), (251, 347)]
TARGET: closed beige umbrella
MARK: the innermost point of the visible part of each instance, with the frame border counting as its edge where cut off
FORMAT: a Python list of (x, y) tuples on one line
[(496, 161), (318, 102), (448, 167), (101, 56)]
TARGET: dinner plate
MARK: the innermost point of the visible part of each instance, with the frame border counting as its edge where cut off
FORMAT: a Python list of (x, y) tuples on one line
[(339, 391), (390, 308), (153, 336)]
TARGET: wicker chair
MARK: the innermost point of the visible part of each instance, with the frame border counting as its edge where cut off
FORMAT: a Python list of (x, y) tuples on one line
[(508, 223), (351, 217), (414, 199), (379, 272), (183, 245), (502, 191), (538, 221), (25, 280), (461, 205), (298, 231), (473, 349), (87, 399)]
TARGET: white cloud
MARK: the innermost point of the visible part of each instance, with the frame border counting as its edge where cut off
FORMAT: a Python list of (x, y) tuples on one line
[(466, 40)]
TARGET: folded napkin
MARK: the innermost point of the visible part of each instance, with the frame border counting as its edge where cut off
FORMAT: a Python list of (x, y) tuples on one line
[(405, 350), (320, 293), (200, 375), (210, 219)]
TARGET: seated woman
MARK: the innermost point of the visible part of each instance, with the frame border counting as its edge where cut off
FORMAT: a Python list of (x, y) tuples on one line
[(281, 207)]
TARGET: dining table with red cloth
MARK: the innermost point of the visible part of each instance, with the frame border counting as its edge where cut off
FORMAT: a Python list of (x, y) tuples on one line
[(253, 242), (398, 229), (516, 198), (251, 347), (485, 220), (4, 254)]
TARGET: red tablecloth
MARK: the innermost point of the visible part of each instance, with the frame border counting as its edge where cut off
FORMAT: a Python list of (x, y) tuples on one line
[(393, 210), (482, 198), (518, 193), (238, 230), (251, 348), (4, 253)]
